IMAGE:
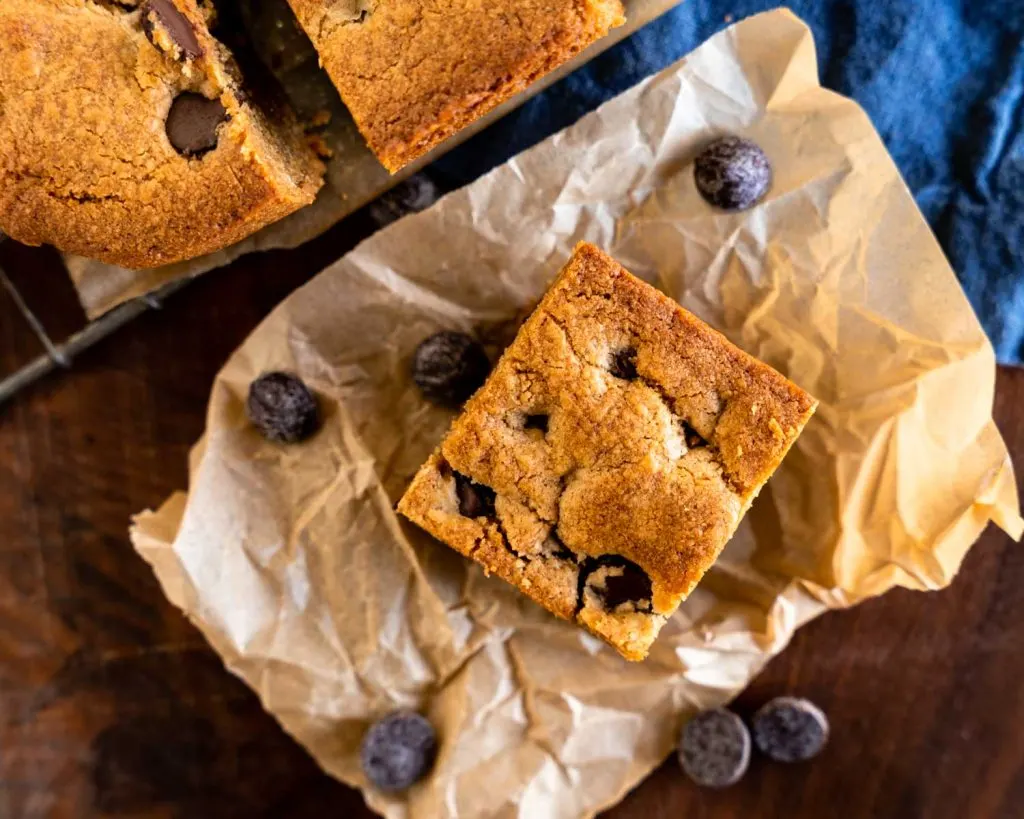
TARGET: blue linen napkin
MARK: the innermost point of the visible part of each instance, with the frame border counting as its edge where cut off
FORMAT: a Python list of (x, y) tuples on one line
[(943, 82)]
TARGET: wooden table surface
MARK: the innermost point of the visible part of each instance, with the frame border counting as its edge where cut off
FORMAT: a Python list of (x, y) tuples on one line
[(111, 704)]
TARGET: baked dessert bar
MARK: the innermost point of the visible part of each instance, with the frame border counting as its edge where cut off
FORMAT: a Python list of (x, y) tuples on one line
[(414, 72), (610, 455), (125, 134)]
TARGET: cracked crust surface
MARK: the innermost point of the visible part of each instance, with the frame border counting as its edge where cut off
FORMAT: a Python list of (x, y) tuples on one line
[(659, 433), (85, 160), (414, 72)]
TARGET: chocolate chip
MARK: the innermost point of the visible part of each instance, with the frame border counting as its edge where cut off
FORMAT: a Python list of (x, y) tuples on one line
[(176, 24), (714, 750), (475, 499), (633, 585), (732, 173), (536, 422), (398, 751), (282, 408), (790, 729), (623, 364), (192, 123), (693, 438), (616, 581), (411, 196), (448, 367)]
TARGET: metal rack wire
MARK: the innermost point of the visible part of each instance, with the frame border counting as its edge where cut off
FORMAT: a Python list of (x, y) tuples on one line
[(59, 354)]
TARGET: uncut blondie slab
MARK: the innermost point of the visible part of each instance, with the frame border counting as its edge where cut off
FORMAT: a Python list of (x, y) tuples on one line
[(414, 72), (610, 455), (127, 135)]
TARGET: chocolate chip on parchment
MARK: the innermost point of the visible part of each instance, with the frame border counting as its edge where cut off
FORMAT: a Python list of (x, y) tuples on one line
[(398, 750), (177, 26), (449, 366), (732, 173), (416, 193), (714, 750), (475, 499), (192, 123), (790, 729), (282, 408)]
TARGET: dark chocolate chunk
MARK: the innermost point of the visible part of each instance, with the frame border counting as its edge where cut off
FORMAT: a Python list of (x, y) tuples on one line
[(178, 27), (633, 585), (282, 408), (615, 580), (714, 750), (448, 367), (416, 193), (693, 438), (538, 421), (398, 751), (192, 123), (623, 364), (475, 499), (732, 173), (790, 729)]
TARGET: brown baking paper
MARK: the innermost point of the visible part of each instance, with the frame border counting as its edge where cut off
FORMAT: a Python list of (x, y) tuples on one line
[(293, 564), (354, 176)]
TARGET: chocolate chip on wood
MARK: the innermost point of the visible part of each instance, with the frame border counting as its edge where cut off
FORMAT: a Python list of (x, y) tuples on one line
[(714, 750), (790, 729)]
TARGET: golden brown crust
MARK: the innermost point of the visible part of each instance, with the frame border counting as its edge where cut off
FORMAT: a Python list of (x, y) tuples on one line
[(414, 72), (659, 433), (85, 161)]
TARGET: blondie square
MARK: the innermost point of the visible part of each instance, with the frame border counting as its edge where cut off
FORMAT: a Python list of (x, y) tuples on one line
[(610, 455), (414, 72)]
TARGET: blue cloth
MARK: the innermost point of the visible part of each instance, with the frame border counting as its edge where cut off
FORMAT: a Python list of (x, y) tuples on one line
[(943, 82)]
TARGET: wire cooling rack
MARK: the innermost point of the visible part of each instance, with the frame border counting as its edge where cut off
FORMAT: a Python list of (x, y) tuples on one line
[(408, 196), (60, 353)]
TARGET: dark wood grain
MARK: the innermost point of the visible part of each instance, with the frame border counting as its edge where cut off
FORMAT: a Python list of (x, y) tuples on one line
[(111, 704)]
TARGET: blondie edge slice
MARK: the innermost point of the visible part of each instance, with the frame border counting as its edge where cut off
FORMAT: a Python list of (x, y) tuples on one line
[(414, 72), (610, 455)]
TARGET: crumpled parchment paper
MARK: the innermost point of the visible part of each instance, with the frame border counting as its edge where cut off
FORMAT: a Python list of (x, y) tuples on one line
[(293, 564), (354, 176)]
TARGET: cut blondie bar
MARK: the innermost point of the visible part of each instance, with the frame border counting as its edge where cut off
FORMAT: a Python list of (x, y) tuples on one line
[(414, 72), (610, 455)]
